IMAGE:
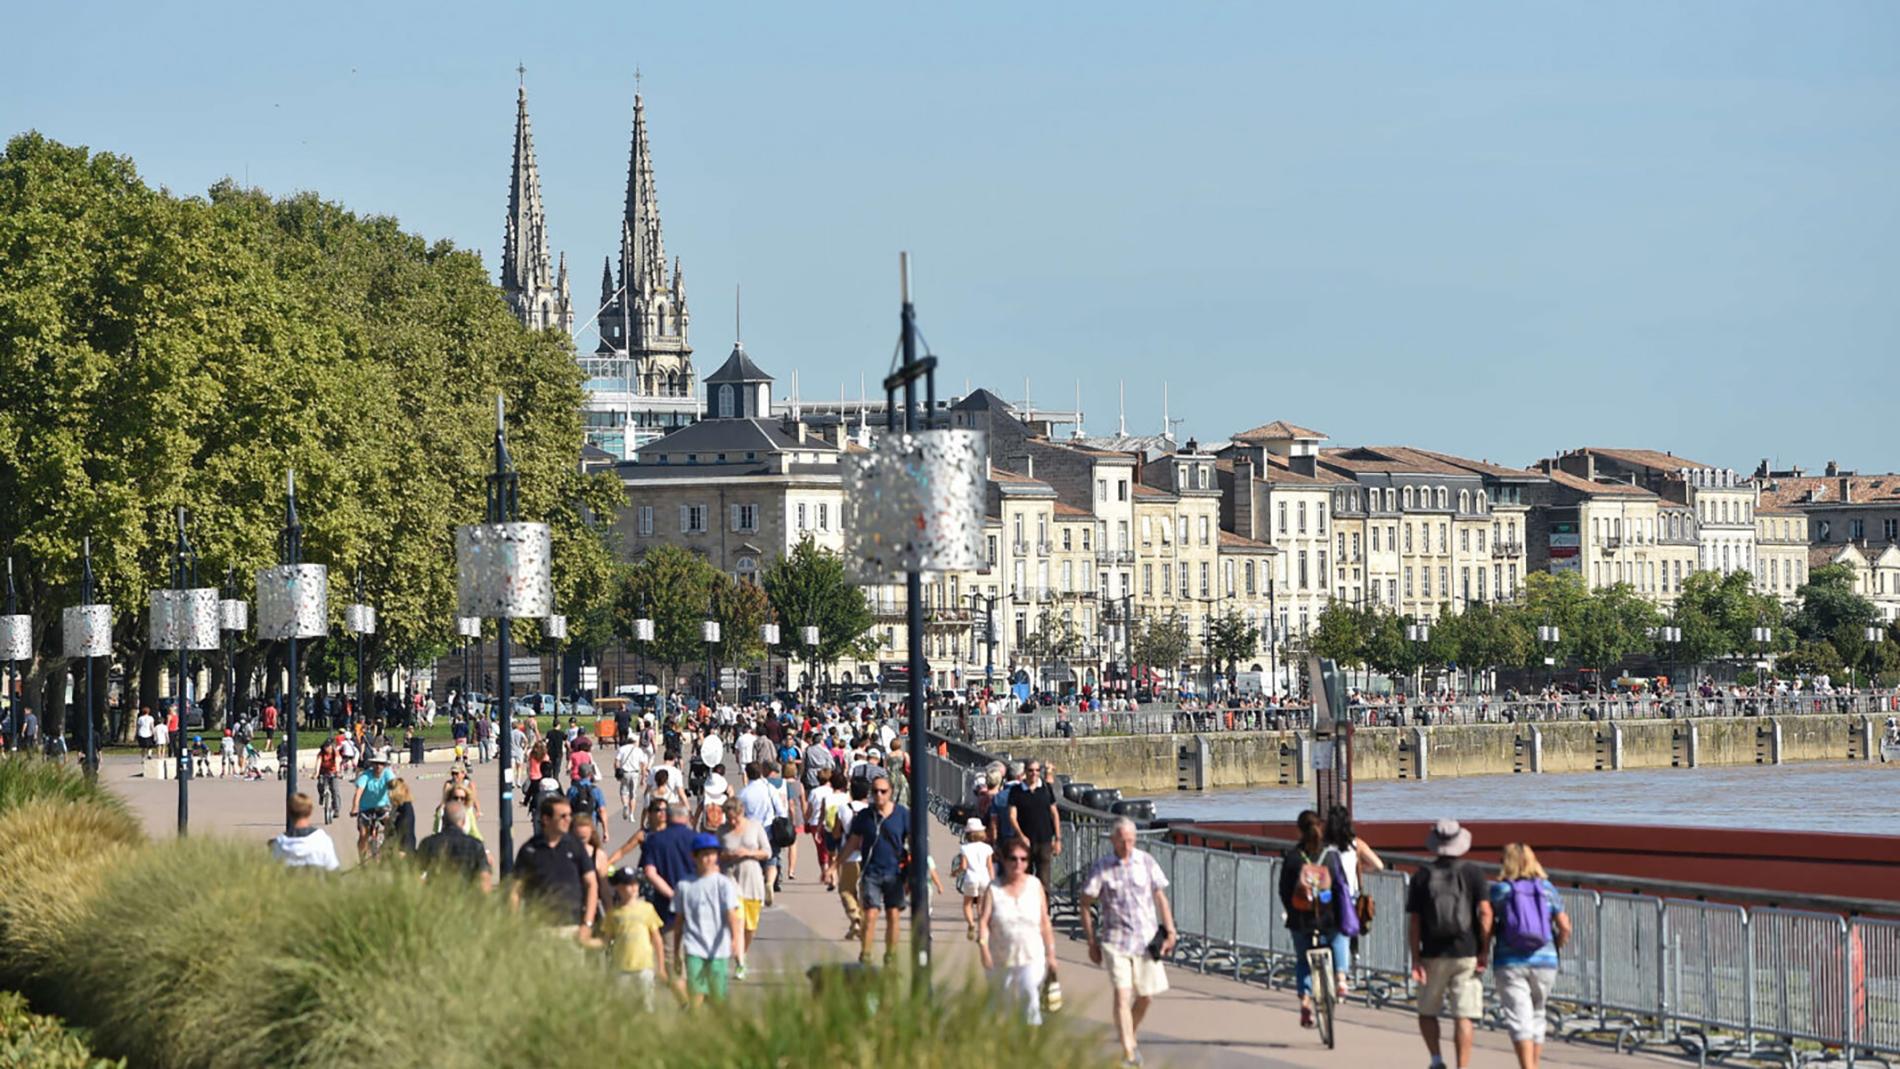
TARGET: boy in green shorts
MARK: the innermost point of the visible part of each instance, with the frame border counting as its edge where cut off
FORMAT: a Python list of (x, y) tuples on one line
[(632, 931), (710, 922)]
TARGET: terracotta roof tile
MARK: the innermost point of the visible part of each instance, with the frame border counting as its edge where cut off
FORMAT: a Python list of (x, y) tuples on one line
[(1585, 486), (1647, 458), (1230, 540), (1279, 428)]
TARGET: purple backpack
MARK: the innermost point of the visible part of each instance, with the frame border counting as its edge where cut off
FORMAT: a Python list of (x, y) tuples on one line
[(1525, 923)]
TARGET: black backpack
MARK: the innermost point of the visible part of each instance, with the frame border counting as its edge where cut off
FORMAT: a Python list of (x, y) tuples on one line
[(1449, 915)]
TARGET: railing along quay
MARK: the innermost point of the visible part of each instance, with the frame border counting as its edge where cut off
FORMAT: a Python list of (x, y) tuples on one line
[(1161, 720), (1702, 971)]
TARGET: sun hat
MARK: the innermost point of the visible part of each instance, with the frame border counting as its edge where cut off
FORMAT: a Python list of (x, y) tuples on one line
[(1448, 839), (705, 840), (974, 824)]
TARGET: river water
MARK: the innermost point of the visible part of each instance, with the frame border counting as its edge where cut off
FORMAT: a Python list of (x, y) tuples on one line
[(1816, 796)]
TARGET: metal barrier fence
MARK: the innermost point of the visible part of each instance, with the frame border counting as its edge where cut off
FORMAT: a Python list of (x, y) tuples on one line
[(978, 727), (1707, 979)]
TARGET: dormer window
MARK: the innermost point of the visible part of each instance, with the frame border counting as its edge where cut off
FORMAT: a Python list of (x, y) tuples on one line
[(725, 402)]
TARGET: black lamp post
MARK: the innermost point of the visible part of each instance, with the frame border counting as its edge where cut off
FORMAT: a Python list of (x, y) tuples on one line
[(290, 554), (503, 500), (16, 637), (362, 621), (185, 576), (643, 634), (709, 632), (233, 618), (91, 760), (989, 633)]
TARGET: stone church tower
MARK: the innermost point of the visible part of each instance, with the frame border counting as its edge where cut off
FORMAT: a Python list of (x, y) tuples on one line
[(644, 317), (539, 300)]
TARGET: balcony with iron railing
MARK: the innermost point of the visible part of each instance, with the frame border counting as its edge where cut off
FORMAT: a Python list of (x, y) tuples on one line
[(1503, 550), (1114, 556), (1044, 547), (1019, 547), (1612, 543)]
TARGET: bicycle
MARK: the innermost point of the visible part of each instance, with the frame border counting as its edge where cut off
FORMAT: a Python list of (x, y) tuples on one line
[(326, 794), (1319, 964), (378, 821)]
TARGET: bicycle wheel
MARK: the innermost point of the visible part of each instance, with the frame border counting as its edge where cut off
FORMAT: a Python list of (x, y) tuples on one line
[(1319, 963)]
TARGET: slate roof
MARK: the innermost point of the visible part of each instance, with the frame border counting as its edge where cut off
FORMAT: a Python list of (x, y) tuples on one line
[(738, 368)]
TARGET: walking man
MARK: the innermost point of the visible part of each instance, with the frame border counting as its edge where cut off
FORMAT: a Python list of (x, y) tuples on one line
[(1136, 930), (1033, 816), (555, 869), (1450, 935), (881, 834)]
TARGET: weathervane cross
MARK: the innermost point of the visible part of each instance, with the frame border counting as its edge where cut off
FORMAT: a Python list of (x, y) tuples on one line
[(521, 72)]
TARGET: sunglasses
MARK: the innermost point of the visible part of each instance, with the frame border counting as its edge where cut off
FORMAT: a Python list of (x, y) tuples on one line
[(882, 791), (1020, 859), (458, 797)]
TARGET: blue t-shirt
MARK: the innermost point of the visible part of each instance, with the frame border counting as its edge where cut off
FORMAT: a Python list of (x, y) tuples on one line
[(887, 837), (670, 852), (375, 789), (1502, 953)]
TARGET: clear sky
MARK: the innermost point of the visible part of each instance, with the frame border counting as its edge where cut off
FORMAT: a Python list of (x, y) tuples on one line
[(1493, 229)]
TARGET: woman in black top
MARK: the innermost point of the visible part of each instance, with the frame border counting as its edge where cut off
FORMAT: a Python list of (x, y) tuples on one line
[(402, 818), (1312, 892)]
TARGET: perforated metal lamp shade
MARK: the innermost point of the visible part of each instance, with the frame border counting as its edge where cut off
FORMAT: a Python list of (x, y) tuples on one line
[(468, 626), (359, 619), (293, 601), (87, 630), (16, 638), (769, 634), (914, 503), (503, 570), (709, 631), (810, 635), (643, 630), (185, 619), (554, 626), (234, 614)]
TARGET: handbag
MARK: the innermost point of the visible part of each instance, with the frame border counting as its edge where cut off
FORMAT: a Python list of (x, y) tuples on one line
[(780, 833), (1051, 994), (1367, 909), (1154, 945)]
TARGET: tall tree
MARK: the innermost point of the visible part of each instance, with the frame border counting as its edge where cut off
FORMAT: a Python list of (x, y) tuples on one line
[(809, 587)]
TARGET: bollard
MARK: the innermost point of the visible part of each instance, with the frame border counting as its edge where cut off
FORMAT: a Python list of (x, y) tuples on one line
[(1530, 751), (1190, 767), (1609, 748), (1421, 754), (1303, 761), (1768, 743), (1686, 745), (1860, 740)]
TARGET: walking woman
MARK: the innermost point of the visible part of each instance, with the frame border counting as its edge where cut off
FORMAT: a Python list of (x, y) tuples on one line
[(1310, 878), (1355, 857), (1531, 927), (1014, 935)]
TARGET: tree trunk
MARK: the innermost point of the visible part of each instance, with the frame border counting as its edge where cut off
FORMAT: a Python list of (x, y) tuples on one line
[(148, 681)]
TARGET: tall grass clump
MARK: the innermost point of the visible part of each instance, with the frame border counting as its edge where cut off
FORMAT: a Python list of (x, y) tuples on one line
[(26, 779), (31, 1041), (883, 1022), (55, 855)]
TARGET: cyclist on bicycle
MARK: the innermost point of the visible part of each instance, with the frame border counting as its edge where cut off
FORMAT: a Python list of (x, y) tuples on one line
[(327, 768), (370, 804), (1312, 892)]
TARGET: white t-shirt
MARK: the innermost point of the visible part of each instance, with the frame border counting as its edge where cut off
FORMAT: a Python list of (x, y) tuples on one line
[(145, 725), (631, 760), (160, 733), (815, 804), (976, 867), (744, 747), (850, 813)]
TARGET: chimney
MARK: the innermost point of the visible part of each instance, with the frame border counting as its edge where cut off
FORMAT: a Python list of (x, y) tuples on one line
[(1761, 470), (1242, 519), (1304, 464), (1833, 469), (1847, 489)]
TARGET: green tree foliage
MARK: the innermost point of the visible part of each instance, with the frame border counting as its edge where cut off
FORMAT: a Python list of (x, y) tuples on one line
[(1233, 640), (1342, 633), (808, 586), (158, 350), (1829, 606), (1162, 641), (673, 588), (1615, 623)]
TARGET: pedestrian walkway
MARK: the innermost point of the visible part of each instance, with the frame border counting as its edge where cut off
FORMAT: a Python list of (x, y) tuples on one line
[(1203, 1020)]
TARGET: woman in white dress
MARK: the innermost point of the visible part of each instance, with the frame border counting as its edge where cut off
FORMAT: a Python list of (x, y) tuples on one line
[(1014, 935)]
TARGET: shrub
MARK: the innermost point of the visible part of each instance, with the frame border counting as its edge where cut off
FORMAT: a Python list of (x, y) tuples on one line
[(25, 779), (31, 1041), (54, 855)]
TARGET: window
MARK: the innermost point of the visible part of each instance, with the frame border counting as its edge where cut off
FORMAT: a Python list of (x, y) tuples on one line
[(1373, 538), (1481, 540), (1302, 517), (1042, 533), (692, 519), (1019, 532), (1464, 540), (1101, 489), (1322, 567), (1147, 530), (748, 570), (1021, 577), (725, 402), (1068, 576), (1247, 574), (1355, 545), (1444, 579), (1444, 541), (824, 516), (1464, 501), (1342, 545), (1302, 569), (801, 515), (1856, 530), (1408, 581), (1205, 588), (1392, 500), (1204, 530), (1282, 517), (1408, 498), (1121, 489), (1068, 539), (1444, 498), (1322, 517), (1889, 528), (745, 517), (1122, 530), (1464, 583), (1408, 539), (1512, 570), (1167, 580), (1085, 538), (646, 520), (1181, 529), (1392, 591), (1147, 580), (1480, 582), (1185, 589)]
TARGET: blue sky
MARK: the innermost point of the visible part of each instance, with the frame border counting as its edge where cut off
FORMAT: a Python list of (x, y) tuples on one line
[(1493, 229)]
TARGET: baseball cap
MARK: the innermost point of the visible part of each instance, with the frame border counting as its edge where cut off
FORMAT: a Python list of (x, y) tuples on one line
[(705, 840)]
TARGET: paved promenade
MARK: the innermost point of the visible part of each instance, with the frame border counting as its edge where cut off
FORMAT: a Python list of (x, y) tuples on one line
[(1202, 1021)]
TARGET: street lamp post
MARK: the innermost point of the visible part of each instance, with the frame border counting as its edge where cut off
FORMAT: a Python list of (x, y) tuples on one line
[(293, 602), (16, 644), (769, 634), (360, 619), (504, 570), (809, 636), (1549, 635), (643, 634), (1419, 634), (184, 618), (989, 634), (233, 618), (709, 634), (91, 759), (1875, 636), (1763, 637)]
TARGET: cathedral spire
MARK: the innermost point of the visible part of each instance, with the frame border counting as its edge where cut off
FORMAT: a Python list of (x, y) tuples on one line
[(645, 251), (526, 275)]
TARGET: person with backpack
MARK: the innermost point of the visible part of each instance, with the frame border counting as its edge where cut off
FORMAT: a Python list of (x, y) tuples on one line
[(1313, 891), (1531, 928), (1449, 904), (585, 797)]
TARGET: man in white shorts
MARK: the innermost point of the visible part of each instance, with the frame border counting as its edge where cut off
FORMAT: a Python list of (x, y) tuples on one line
[(1136, 930)]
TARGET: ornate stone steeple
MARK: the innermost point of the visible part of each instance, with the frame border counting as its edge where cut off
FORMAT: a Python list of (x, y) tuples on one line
[(645, 318), (539, 299)]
